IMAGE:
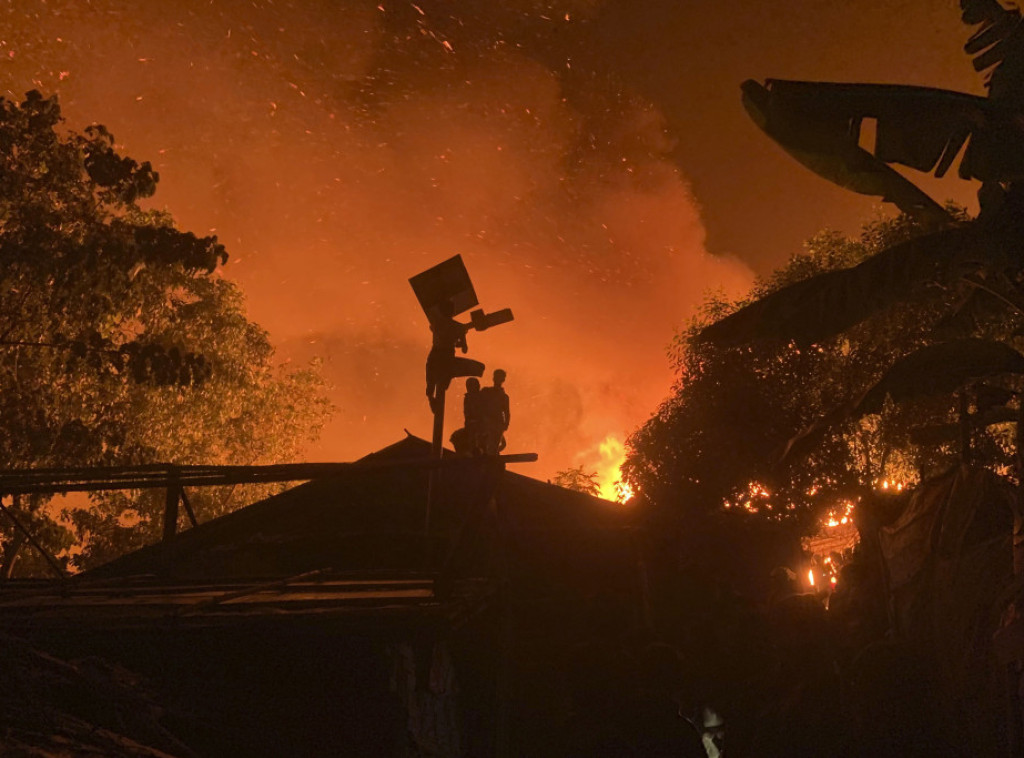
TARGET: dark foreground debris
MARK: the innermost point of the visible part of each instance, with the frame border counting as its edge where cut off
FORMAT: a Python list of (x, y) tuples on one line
[(82, 709)]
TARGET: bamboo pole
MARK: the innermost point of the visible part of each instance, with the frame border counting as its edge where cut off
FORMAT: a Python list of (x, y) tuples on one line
[(51, 481), (172, 500), (434, 480)]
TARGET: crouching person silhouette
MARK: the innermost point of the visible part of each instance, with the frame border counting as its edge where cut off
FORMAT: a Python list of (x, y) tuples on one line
[(468, 440), (494, 415)]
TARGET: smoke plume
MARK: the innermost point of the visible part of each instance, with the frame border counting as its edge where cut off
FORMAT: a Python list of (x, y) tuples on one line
[(338, 148)]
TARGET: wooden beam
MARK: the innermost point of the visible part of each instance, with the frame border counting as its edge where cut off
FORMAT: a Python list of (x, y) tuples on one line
[(171, 502), (23, 481)]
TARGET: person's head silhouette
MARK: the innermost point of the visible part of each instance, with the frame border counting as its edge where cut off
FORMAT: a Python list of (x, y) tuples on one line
[(472, 384), (499, 377)]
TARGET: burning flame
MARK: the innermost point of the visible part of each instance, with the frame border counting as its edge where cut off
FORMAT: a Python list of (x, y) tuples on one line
[(840, 516), (612, 454)]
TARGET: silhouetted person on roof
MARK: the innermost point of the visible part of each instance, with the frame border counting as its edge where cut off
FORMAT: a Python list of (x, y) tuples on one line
[(494, 414), (468, 440), (442, 364)]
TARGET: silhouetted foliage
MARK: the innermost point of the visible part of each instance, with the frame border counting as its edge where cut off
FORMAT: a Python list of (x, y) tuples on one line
[(579, 480), (715, 448), (862, 363), (120, 343)]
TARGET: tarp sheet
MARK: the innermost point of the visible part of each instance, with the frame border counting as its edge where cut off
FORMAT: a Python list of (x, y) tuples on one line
[(965, 507)]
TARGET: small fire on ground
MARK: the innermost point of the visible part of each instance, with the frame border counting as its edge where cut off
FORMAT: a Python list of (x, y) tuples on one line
[(831, 546)]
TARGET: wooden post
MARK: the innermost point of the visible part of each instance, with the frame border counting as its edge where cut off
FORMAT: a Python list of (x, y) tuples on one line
[(437, 441), (490, 472), (504, 684), (434, 477), (173, 498)]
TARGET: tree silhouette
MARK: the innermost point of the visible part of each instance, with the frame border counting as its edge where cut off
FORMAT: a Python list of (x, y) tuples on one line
[(820, 124), (713, 449), (120, 343), (577, 479), (975, 336)]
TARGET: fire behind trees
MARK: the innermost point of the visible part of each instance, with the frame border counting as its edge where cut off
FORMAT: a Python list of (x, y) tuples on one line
[(120, 343), (862, 363), (763, 442), (717, 448), (886, 367)]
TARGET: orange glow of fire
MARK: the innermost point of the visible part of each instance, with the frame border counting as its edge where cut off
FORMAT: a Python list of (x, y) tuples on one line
[(623, 492), (842, 515), (612, 454), (756, 499)]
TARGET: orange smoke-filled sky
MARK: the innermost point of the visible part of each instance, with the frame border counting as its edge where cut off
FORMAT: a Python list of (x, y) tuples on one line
[(589, 159)]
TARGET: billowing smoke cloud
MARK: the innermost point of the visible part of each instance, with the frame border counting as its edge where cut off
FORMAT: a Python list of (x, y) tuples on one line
[(337, 148)]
